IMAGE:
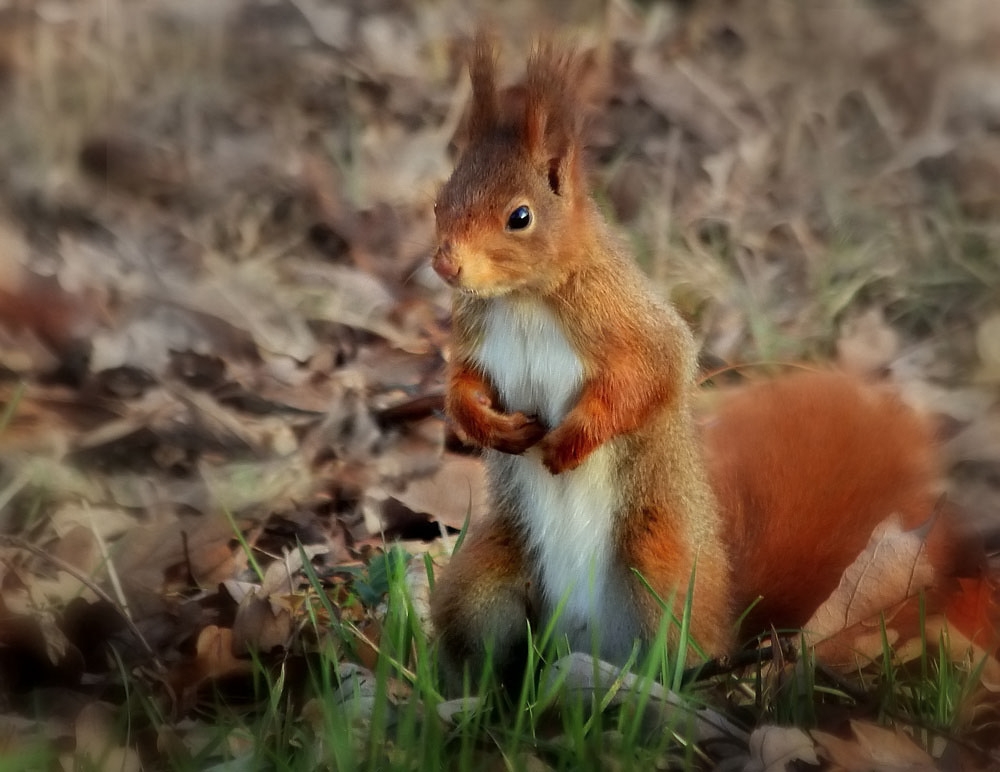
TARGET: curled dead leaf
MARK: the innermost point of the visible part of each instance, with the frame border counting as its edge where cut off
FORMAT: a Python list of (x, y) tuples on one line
[(266, 614), (874, 747), (214, 651), (261, 625), (455, 493), (893, 568), (213, 660)]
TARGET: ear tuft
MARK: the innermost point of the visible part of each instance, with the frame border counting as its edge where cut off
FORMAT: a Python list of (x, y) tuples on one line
[(554, 107), (484, 113)]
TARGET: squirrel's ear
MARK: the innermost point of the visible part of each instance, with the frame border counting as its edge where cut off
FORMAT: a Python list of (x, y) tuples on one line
[(549, 140), (553, 114), (564, 171), (484, 115)]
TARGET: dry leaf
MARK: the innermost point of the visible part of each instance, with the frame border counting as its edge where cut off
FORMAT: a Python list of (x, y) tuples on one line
[(893, 567), (265, 617), (96, 741), (455, 493), (261, 625), (960, 649), (214, 659), (145, 556), (215, 654), (872, 748), (773, 748)]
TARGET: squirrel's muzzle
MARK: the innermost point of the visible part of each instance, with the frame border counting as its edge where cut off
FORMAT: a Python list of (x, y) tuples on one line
[(445, 264)]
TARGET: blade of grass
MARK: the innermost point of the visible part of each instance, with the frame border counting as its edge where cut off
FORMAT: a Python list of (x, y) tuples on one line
[(247, 549)]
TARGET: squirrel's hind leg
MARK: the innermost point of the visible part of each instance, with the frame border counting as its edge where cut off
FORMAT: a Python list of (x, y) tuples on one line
[(481, 606)]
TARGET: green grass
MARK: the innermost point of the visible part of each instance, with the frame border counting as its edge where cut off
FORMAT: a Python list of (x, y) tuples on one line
[(930, 693), (308, 708), (339, 721), (393, 722)]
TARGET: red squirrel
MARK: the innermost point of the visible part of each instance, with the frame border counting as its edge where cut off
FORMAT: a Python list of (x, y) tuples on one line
[(578, 381)]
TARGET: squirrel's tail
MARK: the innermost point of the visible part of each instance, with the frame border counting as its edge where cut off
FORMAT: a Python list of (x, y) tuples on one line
[(805, 468)]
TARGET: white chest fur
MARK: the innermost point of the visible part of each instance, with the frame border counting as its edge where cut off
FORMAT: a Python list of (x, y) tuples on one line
[(529, 360), (567, 517)]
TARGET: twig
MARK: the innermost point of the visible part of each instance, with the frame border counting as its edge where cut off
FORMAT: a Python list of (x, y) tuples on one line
[(110, 566), (725, 665), (415, 409)]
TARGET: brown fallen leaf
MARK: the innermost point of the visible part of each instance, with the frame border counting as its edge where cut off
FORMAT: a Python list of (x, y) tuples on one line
[(214, 659), (456, 492), (266, 614), (893, 568), (345, 295), (262, 624), (893, 580), (97, 745), (959, 648), (873, 748), (79, 548), (147, 558)]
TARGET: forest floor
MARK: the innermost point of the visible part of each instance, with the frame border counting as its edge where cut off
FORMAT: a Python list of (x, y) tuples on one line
[(220, 336)]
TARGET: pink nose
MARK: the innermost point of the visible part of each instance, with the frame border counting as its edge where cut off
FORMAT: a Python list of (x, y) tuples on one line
[(445, 264)]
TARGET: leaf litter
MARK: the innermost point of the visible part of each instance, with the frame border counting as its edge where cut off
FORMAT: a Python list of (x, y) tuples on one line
[(218, 332)]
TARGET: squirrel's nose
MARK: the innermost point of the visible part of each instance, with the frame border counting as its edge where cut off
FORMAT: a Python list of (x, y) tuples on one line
[(445, 264)]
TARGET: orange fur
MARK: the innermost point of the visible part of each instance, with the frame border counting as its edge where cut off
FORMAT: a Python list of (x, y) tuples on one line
[(470, 402), (805, 467), (578, 382), (485, 601)]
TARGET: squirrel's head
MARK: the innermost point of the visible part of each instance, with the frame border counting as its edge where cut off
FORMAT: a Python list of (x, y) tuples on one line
[(515, 205)]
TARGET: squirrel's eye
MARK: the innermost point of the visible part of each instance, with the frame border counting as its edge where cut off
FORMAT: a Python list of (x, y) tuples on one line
[(519, 219)]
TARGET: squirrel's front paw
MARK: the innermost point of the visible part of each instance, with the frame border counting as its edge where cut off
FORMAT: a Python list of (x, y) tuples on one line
[(514, 432), (475, 417), (561, 453)]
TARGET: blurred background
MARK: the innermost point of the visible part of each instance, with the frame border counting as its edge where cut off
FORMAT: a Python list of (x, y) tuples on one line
[(216, 218)]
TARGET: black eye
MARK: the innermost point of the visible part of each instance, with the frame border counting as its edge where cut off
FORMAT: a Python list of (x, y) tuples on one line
[(519, 219)]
